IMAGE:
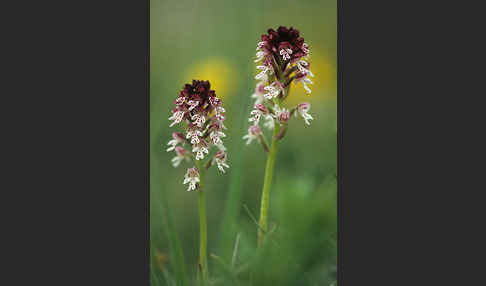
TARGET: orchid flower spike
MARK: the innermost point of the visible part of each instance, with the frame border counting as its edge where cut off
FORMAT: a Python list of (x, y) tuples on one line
[(282, 57), (201, 114)]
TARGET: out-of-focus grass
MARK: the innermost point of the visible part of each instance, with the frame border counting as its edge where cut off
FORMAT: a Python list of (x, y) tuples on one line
[(175, 248), (216, 40)]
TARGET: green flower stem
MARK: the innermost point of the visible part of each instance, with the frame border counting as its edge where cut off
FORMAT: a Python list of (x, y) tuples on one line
[(203, 232), (267, 184)]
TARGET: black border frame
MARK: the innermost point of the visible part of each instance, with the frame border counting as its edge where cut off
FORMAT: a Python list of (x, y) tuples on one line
[(147, 138), (63, 74)]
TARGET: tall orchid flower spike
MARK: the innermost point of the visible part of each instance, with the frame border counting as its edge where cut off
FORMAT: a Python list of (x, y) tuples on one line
[(282, 57), (200, 114)]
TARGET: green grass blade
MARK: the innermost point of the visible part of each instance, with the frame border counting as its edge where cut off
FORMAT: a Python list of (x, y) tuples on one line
[(177, 257), (233, 203)]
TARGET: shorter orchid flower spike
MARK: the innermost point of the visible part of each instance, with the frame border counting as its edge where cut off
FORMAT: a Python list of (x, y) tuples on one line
[(202, 113)]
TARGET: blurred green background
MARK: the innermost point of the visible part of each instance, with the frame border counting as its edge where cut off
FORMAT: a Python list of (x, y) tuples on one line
[(216, 41)]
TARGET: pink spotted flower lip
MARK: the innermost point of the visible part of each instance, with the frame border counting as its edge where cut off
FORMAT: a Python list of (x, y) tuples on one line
[(191, 177)]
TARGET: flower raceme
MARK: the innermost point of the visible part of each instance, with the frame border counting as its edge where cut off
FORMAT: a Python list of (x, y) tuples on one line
[(201, 113), (282, 58)]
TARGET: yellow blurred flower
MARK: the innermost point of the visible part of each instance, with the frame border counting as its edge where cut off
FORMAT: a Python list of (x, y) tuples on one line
[(324, 81), (221, 74)]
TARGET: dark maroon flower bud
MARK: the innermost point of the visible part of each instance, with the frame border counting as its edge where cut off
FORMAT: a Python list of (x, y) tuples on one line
[(285, 44)]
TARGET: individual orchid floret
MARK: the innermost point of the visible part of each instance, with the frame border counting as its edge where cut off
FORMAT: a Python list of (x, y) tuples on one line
[(259, 92), (199, 119), (192, 104), (259, 55), (303, 68), (218, 113), (177, 116), (255, 117), (272, 91), (269, 122), (302, 78), (216, 125), (262, 108), (285, 53), (180, 101), (283, 115), (182, 154), (257, 113), (260, 45), (178, 139), (215, 131), (264, 70), (302, 74), (200, 148), (305, 48), (253, 132), (220, 159), (302, 109), (193, 133), (192, 177), (216, 136)]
